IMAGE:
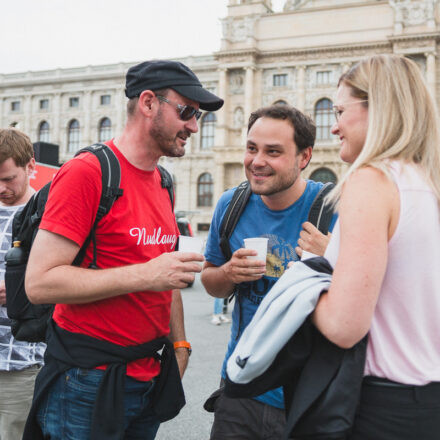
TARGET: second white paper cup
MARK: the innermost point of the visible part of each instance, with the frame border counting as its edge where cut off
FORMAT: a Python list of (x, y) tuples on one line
[(190, 244), (258, 244)]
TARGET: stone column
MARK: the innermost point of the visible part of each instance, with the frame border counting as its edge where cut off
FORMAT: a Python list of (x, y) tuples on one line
[(248, 92), (301, 104), (430, 73), (27, 111), (56, 128), (86, 138), (221, 128), (249, 101), (219, 178), (120, 112)]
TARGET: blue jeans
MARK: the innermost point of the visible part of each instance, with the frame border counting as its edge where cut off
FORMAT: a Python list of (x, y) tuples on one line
[(66, 412), (218, 306)]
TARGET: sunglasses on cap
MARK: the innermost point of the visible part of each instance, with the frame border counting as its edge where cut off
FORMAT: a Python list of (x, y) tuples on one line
[(186, 112)]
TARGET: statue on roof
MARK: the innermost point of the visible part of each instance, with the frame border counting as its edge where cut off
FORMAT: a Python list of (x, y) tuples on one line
[(293, 5)]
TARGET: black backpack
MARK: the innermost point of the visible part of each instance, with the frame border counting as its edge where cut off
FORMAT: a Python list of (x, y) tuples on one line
[(29, 321), (320, 213)]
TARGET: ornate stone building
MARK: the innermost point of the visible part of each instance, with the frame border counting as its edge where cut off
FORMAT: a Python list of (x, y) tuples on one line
[(294, 56)]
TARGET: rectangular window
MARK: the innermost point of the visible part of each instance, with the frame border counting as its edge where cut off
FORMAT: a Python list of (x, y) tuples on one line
[(323, 77), (74, 102), (280, 80), (105, 99), (44, 104), (15, 106)]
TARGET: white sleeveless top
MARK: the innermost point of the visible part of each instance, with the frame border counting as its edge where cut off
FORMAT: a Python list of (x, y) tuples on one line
[(404, 338)]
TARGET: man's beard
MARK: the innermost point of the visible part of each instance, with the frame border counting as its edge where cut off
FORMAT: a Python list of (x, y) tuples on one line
[(166, 143), (281, 183)]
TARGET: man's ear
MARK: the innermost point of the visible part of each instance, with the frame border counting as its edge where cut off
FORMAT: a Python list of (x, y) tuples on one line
[(305, 156), (30, 167), (145, 102)]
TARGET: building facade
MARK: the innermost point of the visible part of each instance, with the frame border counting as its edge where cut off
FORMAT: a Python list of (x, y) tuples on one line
[(294, 56)]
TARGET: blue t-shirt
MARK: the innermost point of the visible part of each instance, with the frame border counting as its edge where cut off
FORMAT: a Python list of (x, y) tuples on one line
[(282, 228)]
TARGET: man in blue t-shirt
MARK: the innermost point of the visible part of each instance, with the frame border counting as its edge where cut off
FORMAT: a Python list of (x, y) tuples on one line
[(279, 146)]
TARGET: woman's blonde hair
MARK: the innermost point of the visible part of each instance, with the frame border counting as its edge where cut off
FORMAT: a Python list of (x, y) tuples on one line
[(402, 117)]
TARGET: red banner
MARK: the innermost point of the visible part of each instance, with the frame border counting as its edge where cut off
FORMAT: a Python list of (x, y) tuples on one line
[(43, 173)]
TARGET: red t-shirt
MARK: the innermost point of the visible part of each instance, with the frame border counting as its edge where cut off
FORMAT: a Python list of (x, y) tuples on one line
[(140, 226)]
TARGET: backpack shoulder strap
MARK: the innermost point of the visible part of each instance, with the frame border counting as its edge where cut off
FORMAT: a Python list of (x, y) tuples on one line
[(111, 180), (232, 215), (321, 213), (26, 220), (167, 182), (111, 177)]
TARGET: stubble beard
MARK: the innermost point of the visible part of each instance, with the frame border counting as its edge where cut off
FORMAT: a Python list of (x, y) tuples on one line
[(166, 143), (280, 183)]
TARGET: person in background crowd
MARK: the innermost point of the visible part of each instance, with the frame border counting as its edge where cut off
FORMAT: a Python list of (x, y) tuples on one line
[(220, 308), (19, 360)]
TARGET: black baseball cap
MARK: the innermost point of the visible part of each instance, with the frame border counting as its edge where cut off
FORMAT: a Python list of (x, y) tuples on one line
[(162, 74)]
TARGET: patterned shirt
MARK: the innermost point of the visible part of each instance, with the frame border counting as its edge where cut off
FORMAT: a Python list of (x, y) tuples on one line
[(14, 355)]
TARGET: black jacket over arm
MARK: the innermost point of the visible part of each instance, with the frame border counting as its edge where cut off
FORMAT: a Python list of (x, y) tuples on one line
[(321, 381)]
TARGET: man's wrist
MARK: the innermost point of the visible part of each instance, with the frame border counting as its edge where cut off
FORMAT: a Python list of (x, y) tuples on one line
[(183, 344)]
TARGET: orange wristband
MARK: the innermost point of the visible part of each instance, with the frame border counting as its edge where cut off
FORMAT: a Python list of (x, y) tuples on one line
[(183, 344)]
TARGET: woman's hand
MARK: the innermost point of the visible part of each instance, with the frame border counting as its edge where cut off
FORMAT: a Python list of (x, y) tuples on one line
[(312, 240)]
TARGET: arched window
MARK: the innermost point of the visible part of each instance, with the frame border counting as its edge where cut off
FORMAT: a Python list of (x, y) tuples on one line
[(280, 102), (323, 119), (105, 129), (208, 131), (44, 132), (73, 136), (205, 189), (323, 175)]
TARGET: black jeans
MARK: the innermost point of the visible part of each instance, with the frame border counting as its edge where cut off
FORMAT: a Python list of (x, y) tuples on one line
[(244, 419), (390, 412)]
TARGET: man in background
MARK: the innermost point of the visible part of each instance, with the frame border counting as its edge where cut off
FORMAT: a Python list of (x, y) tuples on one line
[(19, 361)]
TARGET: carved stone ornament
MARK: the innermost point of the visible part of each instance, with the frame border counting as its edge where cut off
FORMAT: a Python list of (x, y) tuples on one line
[(238, 117), (239, 29), (293, 5), (236, 82), (413, 12)]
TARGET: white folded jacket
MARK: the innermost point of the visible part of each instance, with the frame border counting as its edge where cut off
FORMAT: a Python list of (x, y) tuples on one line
[(281, 313)]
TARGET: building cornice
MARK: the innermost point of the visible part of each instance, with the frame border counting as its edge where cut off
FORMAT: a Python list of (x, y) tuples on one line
[(252, 53), (384, 45), (92, 73), (415, 37), (332, 7)]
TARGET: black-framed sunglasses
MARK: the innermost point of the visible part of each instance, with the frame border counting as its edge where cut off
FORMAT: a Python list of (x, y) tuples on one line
[(186, 112)]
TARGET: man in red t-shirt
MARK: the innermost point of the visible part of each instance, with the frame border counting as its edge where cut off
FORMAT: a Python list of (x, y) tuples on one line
[(134, 297)]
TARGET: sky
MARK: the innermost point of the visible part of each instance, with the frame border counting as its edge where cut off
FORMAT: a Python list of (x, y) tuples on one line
[(47, 34)]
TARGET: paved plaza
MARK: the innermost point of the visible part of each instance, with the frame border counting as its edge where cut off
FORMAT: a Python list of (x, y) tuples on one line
[(203, 374)]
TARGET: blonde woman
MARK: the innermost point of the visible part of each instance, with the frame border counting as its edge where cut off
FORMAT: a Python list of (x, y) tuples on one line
[(385, 248)]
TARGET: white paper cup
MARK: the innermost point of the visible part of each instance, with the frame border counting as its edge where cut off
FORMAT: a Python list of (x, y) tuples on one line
[(190, 244), (258, 244), (306, 255)]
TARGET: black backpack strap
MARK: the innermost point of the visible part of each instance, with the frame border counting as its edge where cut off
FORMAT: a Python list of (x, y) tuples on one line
[(111, 180), (232, 215), (167, 182), (320, 214)]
